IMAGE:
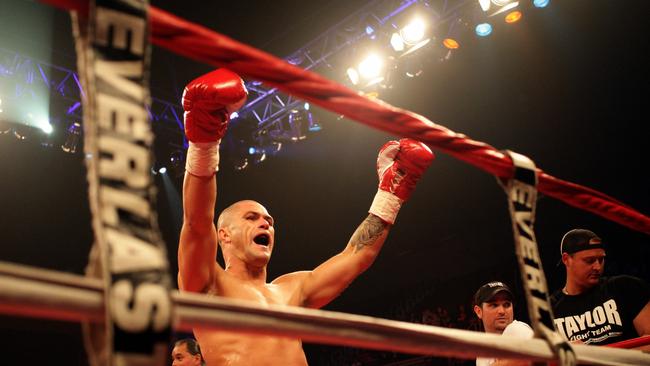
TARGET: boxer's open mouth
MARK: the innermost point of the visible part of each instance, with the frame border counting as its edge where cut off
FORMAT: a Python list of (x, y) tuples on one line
[(262, 239)]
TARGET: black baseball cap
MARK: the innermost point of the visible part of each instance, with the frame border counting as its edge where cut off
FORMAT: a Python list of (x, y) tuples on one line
[(578, 240), (486, 292)]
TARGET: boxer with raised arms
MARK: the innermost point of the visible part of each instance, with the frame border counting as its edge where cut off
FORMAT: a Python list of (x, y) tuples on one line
[(245, 230)]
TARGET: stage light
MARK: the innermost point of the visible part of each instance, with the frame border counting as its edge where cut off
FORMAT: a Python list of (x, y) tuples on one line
[(162, 170), (500, 5), (30, 133), (486, 4), (513, 17), (483, 29), (240, 164), (451, 43), (397, 42), (370, 68), (413, 67), (259, 157), (46, 127), (27, 132), (234, 115), (294, 60), (257, 154), (72, 138), (296, 128), (21, 131), (268, 141), (353, 75), (306, 106), (5, 127), (313, 125), (413, 32), (541, 3), (177, 162)]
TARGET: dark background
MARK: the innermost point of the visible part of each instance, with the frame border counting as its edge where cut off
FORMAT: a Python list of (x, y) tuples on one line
[(568, 86)]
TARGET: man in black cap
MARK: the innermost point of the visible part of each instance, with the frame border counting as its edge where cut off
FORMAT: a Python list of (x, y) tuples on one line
[(593, 309), (493, 306)]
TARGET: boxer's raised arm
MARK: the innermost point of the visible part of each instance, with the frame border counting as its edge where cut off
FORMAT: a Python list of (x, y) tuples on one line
[(208, 102), (400, 165)]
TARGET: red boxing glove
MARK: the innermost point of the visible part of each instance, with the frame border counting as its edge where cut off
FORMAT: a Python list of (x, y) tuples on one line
[(208, 102), (400, 165)]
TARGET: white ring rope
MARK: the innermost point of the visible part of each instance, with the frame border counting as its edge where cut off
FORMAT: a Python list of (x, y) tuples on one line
[(35, 292)]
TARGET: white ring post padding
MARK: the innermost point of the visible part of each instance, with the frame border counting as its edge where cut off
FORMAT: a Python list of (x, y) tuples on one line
[(35, 292)]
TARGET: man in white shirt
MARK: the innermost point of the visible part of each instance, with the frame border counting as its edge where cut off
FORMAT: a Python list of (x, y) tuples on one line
[(493, 306)]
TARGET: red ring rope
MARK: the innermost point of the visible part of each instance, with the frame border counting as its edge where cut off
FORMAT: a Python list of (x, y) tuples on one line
[(632, 343), (204, 45)]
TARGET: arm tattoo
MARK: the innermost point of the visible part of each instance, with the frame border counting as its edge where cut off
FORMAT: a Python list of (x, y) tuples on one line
[(366, 234)]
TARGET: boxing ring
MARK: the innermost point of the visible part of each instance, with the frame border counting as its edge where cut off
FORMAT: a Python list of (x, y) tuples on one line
[(33, 292)]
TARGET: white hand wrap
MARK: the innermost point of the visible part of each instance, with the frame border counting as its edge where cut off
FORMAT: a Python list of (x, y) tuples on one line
[(385, 206), (202, 158)]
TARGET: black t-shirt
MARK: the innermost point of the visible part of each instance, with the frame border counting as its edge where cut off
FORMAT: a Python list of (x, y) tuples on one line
[(602, 314)]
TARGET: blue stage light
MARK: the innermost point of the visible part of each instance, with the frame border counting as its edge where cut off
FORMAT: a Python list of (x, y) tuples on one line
[(541, 3), (483, 29)]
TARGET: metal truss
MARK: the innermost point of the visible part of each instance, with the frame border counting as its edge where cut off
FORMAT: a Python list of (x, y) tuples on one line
[(31, 77), (268, 106)]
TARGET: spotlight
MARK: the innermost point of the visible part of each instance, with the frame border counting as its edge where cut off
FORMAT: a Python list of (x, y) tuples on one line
[(451, 43), (296, 128), (259, 157), (21, 131), (371, 70), (177, 162), (257, 154), (72, 138), (5, 127), (541, 3), (413, 32), (294, 60), (158, 168), (46, 127), (397, 42), (371, 66), (483, 29), (513, 17), (240, 163), (313, 125), (353, 75), (268, 141), (500, 5), (300, 123)]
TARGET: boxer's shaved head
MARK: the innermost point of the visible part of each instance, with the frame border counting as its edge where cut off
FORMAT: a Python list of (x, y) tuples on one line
[(225, 218)]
